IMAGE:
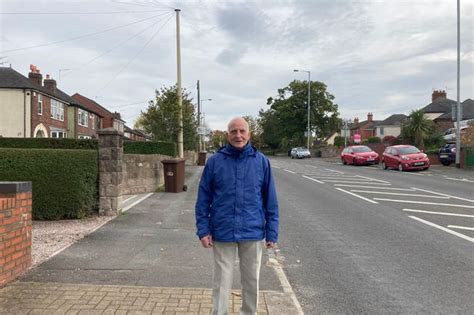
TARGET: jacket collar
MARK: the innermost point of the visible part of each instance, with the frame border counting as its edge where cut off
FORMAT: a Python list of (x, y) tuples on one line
[(248, 150)]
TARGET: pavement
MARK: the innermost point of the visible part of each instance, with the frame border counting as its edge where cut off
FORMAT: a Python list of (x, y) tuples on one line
[(147, 260)]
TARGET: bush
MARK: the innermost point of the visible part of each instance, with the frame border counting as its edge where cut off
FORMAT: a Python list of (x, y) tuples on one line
[(374, 140), (150, 147), (48, 143), (65, 182), (339, 141), (390, 140)]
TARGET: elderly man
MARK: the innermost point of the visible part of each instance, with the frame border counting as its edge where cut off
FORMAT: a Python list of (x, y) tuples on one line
[(236, 210)]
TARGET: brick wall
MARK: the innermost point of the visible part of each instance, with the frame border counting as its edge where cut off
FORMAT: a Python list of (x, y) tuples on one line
[(15, 229)]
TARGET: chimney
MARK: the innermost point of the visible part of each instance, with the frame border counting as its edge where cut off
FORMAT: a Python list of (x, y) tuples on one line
[(35, 76), (356, 120), (50, 83), (370, 116), (438, 95)]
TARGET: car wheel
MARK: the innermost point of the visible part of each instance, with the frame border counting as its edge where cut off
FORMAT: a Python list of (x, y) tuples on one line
[(353, 161), (384, 166), (400, 167), (343, 161), (446, 163), (292, 157)]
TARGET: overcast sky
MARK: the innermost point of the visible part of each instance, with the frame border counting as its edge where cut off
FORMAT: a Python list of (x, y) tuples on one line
[(383, 57)]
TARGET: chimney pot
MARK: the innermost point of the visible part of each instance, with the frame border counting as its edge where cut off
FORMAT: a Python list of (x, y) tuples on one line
[(35, 76), (438, 94)]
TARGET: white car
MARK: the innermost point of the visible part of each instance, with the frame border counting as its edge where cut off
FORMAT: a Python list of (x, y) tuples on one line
[(300, 153)]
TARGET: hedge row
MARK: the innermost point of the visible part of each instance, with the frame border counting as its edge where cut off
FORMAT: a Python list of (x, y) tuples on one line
[(65, 182), (48, 143), (150, 147)]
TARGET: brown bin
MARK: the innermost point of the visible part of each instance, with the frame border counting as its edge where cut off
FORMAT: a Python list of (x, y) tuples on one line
[(202, 158), (174, 175)]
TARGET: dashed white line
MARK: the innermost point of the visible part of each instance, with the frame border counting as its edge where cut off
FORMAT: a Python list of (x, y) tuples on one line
[(289, 171), (314, 180), (459, 179), (356, 195), (437, 193), (461, 227), (355, 182), (398, 194), (425, 203), (470, 239), (387, 188), (441, 213), (372, 179), (327, 169)]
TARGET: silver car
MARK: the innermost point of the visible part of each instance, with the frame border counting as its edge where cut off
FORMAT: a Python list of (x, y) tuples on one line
[(300, 153)]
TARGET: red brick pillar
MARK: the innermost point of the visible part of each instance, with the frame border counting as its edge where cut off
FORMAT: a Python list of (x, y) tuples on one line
[(15, 229)]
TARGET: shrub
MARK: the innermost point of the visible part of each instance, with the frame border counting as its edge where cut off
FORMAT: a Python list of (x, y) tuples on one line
[(150, 147), (65, 182), (338, 141), (390, 140), (48, 143), (374, 140)]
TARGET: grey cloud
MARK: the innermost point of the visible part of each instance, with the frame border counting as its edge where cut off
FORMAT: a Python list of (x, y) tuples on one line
[(231, 56)]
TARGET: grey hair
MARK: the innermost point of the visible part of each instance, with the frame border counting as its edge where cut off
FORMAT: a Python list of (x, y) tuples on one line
[(236, 119)]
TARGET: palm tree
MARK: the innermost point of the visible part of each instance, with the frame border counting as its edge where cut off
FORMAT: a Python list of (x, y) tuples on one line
[(418, 127)]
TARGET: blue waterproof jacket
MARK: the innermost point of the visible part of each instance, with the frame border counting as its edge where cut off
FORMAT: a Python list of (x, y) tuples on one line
[(237, 198)]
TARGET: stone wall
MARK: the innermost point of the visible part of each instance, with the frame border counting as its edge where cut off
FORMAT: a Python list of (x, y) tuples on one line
[(15, 229), (191, 157), (142, 173)]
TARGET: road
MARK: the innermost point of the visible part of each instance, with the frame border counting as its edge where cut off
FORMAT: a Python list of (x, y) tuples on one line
[(365, 240)]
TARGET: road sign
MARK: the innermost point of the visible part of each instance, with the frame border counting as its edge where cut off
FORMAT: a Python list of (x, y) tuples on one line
[(201, 130), (357, 138)]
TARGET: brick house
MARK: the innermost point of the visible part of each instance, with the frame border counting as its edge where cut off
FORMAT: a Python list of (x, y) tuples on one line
[(365, 129), (33, 107)]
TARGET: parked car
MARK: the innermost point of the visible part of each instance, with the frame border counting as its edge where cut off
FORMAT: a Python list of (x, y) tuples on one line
[(447, 154), (300, 153), (404, 158), (359, 155)]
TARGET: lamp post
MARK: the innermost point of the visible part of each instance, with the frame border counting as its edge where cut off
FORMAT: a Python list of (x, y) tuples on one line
[(201, 122), (309, 102)]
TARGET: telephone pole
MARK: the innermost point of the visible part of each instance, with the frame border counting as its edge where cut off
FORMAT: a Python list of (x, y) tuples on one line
[(199, 115), (178, 92)]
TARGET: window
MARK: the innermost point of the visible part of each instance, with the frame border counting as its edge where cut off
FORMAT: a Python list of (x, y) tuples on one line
[(93, 121), (57, 110), (381, 131), (82, 118), (40, 104), (58, 133), (84, 137)]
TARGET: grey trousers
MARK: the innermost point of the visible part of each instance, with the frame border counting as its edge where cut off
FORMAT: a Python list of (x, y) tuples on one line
[(250, 256)]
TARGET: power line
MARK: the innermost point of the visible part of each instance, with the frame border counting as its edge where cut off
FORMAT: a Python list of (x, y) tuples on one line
[(85, 35), (79, 13), (135, 4), (136, 55)]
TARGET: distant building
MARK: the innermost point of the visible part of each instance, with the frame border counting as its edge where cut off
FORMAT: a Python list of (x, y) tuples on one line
[(365, 129), (391, 126)]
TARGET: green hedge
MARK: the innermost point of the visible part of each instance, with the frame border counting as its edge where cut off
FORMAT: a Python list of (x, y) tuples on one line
[(65, 182), (149, 147), (48, 143)]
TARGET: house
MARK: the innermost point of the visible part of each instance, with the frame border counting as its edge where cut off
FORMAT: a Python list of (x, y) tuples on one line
[(135, 134), (330, 139), (33, 107), (391, 126), (365, 129), (109, 119), (441, 110)]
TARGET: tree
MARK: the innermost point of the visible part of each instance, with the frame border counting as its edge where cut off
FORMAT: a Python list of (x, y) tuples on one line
[(161, 118), (255, 130), (285, 123), (218, 139), (417, 128)]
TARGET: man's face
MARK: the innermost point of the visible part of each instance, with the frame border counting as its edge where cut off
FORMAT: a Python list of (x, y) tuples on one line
[(238, 134)]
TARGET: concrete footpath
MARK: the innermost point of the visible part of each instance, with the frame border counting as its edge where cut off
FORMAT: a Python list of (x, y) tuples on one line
[(146, 261)]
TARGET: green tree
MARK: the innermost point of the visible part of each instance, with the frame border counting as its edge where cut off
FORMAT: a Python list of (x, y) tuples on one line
[(161, 118), (255, 130), (417, 128), (218, 139), (286, 120)]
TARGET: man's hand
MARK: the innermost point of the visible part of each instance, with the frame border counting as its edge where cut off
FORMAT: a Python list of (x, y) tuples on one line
[(206, 241), (270, 245)]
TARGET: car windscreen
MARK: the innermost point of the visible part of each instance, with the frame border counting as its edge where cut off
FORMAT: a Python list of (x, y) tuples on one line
[(409, 150), (361, 149)]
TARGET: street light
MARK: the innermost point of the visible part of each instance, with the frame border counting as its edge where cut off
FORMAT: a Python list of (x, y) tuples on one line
[(201, 123), (309, 100)]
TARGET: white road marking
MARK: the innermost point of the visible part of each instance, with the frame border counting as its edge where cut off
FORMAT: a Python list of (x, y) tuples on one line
[(124, 201), (289, 171), (354, 182), (350, 193), (437, 193), (312, 166), (327, 169), (387, 188), (398, 194), (274, 166), (425, 203), (314, 180), (136, 202), (461, 227), (459, 179), (470, 239), (441, 213), (372, 179)]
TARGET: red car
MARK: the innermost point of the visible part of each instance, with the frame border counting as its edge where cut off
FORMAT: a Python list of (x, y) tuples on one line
[(359, 155), (404, 158)]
